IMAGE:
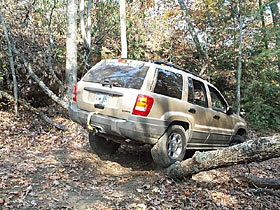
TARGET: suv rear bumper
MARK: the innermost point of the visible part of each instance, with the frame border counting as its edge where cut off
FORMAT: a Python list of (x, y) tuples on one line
[(136, 128)]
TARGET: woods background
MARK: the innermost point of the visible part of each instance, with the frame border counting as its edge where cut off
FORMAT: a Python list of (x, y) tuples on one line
[(212, 38)]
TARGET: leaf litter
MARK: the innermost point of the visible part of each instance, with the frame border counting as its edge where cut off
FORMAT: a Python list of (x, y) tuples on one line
[(44, 168)]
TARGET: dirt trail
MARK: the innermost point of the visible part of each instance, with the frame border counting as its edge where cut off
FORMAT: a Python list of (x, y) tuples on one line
[(43, 168)]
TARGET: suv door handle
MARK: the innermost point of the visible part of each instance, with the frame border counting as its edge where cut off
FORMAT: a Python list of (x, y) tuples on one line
[(216, 117), (192, 110)]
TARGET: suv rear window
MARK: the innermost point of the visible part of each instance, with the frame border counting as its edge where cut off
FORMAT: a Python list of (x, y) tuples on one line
[(169, 84), (118, 75)]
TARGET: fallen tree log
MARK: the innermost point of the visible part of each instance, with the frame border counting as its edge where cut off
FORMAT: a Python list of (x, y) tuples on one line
[(260, 182), (34, 110), (251, 151)]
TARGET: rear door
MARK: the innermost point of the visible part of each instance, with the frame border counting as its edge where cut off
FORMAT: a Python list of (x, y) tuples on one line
[(198, 106), (168, 88), (111, 88)]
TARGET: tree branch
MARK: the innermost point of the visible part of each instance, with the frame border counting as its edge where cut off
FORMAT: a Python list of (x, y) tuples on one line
[(51, 94), (11, 59), (260, 182), (35, 111), (262, 190), (194, 36)]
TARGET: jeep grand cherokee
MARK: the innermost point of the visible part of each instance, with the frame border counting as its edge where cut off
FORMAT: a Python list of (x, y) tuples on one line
[(132, 102)]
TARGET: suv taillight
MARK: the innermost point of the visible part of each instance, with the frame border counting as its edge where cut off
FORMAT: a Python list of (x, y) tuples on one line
[(75, 93), (143, 105)]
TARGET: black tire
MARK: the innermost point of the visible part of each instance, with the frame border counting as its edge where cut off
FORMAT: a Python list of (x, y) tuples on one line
[(101, 145), (171, 147), (237, 139)]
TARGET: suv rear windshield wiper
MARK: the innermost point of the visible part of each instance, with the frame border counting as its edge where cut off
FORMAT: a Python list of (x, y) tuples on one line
[(107, 82)]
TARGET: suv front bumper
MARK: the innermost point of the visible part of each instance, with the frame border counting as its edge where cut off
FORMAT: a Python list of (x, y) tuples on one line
[(136, 128)]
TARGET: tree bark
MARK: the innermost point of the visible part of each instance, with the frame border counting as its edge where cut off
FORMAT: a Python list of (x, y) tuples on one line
[(123, 29), (35, 111), (89, 23), (239, 65), (11, 59), (276, 22), (82, 22), (71, 48), (50, 54), (250, 151)]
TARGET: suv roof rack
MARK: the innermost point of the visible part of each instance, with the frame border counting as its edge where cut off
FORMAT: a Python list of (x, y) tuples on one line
[(160, 62)]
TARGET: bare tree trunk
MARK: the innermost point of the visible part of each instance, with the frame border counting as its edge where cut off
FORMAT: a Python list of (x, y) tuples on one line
[(50, 54), (261, 8), (194, 36), (82, 22), (239, 67), (35, 111), (250, 151), (89, 23), (11, 59), (276, 22), (123, 29), (71, 48)]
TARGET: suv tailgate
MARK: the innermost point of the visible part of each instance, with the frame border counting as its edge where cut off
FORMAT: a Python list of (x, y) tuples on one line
[(111, 89), (115, 102)]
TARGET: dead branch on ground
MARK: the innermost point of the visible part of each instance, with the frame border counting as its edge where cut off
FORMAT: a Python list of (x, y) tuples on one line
[(34, 110)]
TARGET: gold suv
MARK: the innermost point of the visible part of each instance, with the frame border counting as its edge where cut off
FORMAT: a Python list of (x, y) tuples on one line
[(132, 102)]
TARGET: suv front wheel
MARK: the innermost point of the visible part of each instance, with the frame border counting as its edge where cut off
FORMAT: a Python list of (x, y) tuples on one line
[(101, 145), (237, 139), (171, 147)]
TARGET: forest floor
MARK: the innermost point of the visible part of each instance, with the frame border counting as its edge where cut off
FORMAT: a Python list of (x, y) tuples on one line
[(44, 168)]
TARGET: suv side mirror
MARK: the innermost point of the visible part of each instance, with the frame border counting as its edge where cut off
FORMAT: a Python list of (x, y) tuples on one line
[(229, 110)]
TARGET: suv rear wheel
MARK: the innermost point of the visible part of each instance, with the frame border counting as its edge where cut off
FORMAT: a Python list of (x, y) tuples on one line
[(101, 145), (171, 147)]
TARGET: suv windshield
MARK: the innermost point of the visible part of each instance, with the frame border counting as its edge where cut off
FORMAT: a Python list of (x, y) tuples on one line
[(118, 75)]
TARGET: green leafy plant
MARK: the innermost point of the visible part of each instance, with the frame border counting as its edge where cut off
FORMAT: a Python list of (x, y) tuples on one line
[(262, 101)]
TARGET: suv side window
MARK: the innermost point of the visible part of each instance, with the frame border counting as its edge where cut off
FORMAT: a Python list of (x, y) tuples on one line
[(218, 103), (197, 92), (169, 84)]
